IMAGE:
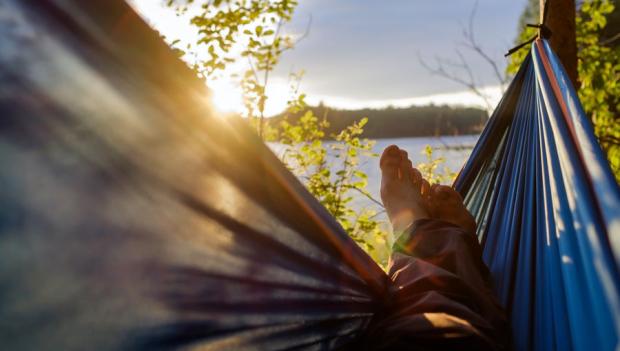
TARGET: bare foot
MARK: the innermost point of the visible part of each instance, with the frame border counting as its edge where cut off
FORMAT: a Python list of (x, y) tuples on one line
[(446, 204), (403, 202)]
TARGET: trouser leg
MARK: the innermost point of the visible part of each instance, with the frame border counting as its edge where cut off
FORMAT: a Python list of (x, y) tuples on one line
[(440, 296)]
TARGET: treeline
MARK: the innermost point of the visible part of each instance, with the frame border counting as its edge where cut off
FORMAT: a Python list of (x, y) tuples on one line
[(411, 121)]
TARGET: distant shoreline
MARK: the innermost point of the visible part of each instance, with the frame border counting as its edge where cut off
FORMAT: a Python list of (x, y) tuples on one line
[(414, 121), (430, 136)]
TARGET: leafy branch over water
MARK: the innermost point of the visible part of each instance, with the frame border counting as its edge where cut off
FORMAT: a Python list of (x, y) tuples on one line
[(330, 171)]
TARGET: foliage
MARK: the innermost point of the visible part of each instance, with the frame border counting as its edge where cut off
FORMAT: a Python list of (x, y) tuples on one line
[(599, 72), (431, 168), (530, 15), (250, 30), (330, 171), (230, 30), (599, 75)]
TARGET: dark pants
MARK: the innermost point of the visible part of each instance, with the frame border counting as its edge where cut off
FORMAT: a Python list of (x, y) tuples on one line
[(440, 298)]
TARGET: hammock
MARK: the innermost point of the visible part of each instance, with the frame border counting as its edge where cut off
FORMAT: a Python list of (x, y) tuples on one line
[(548, 209), (131, 217)]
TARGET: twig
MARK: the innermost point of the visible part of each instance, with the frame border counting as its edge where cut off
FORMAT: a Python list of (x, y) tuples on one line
[(368, 196), (377, 214), (473, 45), (465, 76), (306, 32), (263, 97), (610, 40), (469, 83)]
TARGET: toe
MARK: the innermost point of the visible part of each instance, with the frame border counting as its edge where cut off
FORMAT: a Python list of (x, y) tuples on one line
[(444, 193), (425, 188), (416, 178), (403, 154), (389, 154), (405, 167), (390, 162), (425, 191)]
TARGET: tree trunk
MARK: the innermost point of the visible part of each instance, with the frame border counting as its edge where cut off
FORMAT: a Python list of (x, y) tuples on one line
[(561, 22)]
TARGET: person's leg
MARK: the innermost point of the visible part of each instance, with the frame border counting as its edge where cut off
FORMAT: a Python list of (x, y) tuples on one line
[(440, 295)]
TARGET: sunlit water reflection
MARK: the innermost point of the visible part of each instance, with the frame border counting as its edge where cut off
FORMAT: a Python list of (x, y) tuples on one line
[(455, 150)]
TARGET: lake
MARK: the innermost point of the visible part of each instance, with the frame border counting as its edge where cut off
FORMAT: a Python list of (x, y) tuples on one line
[(455, 149)]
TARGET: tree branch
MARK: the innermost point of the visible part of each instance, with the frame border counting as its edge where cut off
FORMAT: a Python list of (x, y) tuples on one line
[(468, 82), (610, 40), (471, 43), (465, 75), (369, 197)]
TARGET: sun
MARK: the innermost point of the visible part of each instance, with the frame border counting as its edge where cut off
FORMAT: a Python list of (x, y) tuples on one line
[(227, 96), (226, 92)]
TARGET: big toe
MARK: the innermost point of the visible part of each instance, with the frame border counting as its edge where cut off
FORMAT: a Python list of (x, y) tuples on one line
[(446, 195), (390, 163), (447, 204)]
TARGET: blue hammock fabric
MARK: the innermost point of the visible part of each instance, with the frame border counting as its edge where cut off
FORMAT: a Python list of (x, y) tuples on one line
[(132, 217), (548, 209)]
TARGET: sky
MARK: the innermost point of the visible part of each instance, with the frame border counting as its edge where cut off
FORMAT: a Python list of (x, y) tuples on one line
[(366, 53)]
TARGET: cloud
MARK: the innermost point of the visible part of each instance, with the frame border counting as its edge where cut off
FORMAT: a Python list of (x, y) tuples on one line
[(363, 49), (364, 53), (458, 98)]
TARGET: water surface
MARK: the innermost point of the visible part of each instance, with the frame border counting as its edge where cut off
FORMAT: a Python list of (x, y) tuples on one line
[(455, 150)]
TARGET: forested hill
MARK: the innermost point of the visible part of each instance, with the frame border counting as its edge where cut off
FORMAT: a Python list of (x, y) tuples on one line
[(403, 122)]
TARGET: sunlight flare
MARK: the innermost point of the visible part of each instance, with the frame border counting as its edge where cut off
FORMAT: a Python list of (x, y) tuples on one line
[(226, 96)]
